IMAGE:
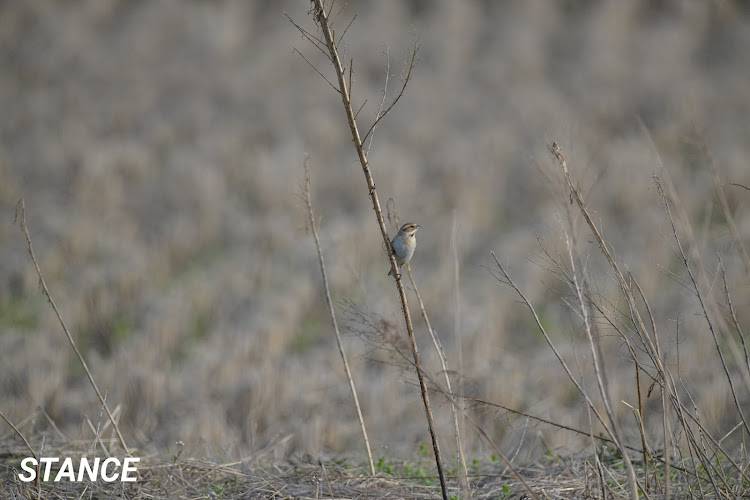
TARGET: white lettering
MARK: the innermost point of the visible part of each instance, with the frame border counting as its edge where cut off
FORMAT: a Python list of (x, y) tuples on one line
[(25, 466), (91, 471), (49, 461), (126, 468), (107, 478), (66, 471), (109, 469)]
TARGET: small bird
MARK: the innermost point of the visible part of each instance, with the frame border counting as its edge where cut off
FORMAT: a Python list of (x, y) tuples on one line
[(404, 243)]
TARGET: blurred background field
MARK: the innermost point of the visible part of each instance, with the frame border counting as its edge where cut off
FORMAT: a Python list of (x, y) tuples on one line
[(159, 149)]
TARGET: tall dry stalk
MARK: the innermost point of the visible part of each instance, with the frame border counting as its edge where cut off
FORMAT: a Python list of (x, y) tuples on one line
[(456, 398), (21, 217), (332, 313), (458, 414), (576, 195), (505, 278), (329, 44), (703, 303), (703, 447)]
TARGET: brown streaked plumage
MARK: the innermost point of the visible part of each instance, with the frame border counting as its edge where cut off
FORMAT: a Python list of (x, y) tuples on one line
[(404, 243)]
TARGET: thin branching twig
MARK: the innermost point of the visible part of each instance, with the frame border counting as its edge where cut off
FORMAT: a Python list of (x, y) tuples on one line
[(733, 314), (20, 434), (702, 302), (382, 101), (321, 19), (624, 286), (723, 203), (406, 79)]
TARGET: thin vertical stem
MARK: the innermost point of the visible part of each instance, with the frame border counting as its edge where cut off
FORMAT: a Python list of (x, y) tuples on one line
[(322, 20), (21, 211), (332, 313)]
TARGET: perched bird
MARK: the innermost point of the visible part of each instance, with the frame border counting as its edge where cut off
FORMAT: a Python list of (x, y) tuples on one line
[(404, 243)]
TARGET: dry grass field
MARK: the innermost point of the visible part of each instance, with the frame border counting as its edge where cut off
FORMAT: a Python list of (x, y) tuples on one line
[(159, 148)]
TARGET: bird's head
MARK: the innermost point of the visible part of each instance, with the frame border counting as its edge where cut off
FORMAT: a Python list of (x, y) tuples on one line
[(410, 228)]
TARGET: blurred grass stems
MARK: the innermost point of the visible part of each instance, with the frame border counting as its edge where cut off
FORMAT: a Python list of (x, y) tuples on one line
[(508, 462), (608, 312), (733, 313), (668, 194), (575, 194), (332, 313), (665, 184), (321, 19), (31, 450), (21, 218), (596, 353), (587, 287), (505, 278), (697, 445), (702, 300), (698, 275), (19, 434), (458, 412), (722, 196)]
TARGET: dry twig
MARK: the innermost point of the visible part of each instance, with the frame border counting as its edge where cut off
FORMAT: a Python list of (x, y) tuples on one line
[(332, 313), (21, 216), (321, 18), (455, 400)]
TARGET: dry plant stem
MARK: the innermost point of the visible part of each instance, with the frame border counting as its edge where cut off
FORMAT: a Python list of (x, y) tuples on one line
[(19, 433), (667, 443), (575, 194), (640, 417), (694, 255), (684, 415), (623, 283), (464, 472), (732, 313), (633, 481), (454, 398), (325, 476), (97, 437), (52, 423), (566, 276), (665, 378), (594, 355), (508, 464), (702, 302), (385, 92), (699, 446), (586, 284), (725, 206), (561, 426), (663, 395), (332, 313), (506, 279), (21, 210), (322, 20), (459, 350), (694, 252)]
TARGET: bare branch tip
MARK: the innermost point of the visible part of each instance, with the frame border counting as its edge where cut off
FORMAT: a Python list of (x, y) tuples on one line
[(20, 210)]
